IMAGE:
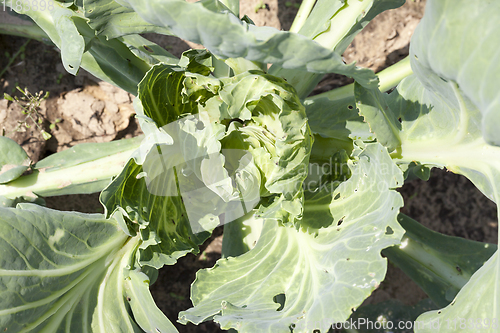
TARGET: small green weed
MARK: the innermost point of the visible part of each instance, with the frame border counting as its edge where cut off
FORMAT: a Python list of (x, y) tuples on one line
[(30, 105)]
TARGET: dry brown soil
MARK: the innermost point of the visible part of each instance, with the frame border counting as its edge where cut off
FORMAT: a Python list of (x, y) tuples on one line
[(94, 111)]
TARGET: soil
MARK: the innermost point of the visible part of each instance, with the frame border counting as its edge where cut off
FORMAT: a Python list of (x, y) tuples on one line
[(84, 109)]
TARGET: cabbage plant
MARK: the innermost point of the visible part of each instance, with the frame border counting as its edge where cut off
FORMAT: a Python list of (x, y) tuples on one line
[(305, 187)]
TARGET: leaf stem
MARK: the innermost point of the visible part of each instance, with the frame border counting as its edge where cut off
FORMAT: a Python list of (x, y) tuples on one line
[(426, 257), (342, 22), (304, 10), (389, 78), (28, 31), (96, 173)]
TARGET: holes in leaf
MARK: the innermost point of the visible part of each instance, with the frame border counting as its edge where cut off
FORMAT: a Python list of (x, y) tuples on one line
[(415, 56), (128, 298), (280, 299), (70, 66), (442, 78), (400, 120), (147, 48), (389, 231), (439, 312), (200, 125), (350, 107), (90, 11), (340, 221), (337, 196)]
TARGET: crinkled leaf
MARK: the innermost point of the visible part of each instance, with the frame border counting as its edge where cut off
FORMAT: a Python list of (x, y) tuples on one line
[(164, 90), (164, 105), (197, 61), (162, 221), (335, 125), (372, 105), (227, 37), (13, 160), (278, 122), (250, 128), (291, 277), (65, 272)]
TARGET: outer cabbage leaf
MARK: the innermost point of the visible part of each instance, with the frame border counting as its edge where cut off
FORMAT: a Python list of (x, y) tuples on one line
[(113, 20), (69, 31), (443, 128), (457, 41), (475, 309), (308, 281), (372, 105), (60, 27), (211, 24), (441, 265), (450, 118), (68, 272)]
